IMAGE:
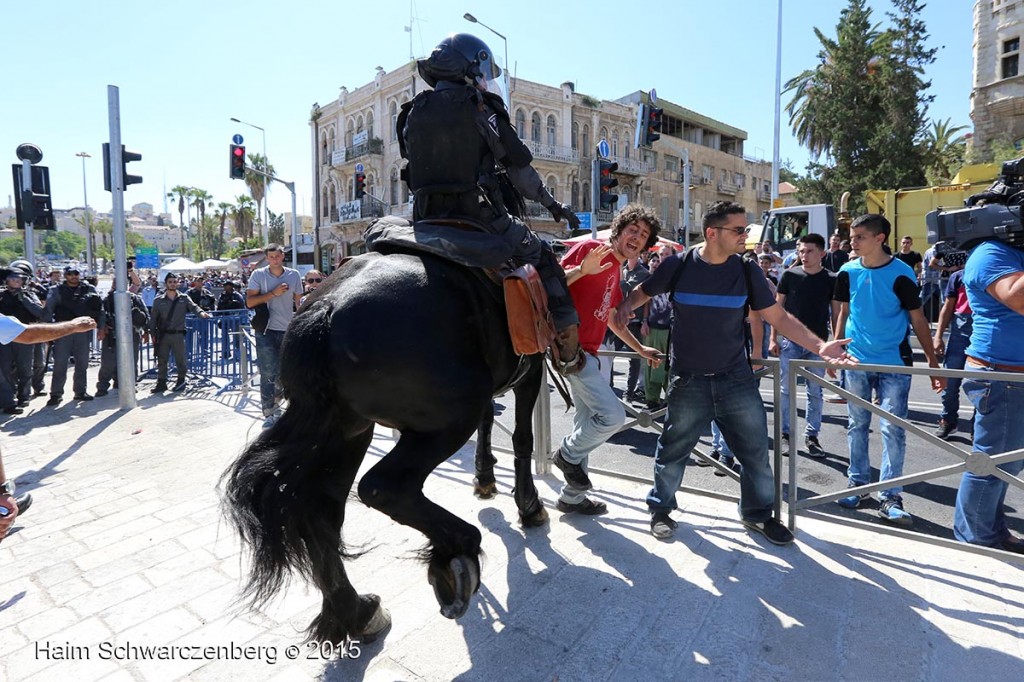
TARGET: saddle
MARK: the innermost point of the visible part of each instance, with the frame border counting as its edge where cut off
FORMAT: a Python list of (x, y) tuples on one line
[(470, 244)]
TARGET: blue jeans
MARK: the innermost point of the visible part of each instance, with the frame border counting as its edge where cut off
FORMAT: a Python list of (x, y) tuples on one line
[(268, 358), (791, 351), (733, 401), (718, 441), (894, 390), (956, 358), (979, 518), (599, 416)]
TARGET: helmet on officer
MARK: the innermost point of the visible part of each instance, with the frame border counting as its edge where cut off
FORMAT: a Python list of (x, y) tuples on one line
[(463, 58), (22, 267)]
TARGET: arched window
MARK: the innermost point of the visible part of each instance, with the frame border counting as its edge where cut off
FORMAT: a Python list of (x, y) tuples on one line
[(350, 130), (405, 192), (624, 191), (325, 204), (586, 196), (394, 122), (586, 140), (535, 127), (371, 184), (333, 147), (551, 131), (393, 191), (360, 124), (521, 123), (324, 156), (575, 193), (369, 124), (615, 144), (552, 184), (334, 199), (575, 135)]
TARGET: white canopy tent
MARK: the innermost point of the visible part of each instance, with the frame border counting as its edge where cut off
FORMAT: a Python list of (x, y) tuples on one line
[(179, 265), (214, 264)]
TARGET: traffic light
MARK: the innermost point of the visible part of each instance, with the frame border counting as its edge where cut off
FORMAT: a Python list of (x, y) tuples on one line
[(126, 157), (606, 182), (652, 131), (237, 162), (360, 185), (34, 205)]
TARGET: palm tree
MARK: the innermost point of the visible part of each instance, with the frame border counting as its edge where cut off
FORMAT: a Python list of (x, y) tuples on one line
[(944, 151), (255, 182), (180, 192), (201, 199), (243, 215), (224, 209)]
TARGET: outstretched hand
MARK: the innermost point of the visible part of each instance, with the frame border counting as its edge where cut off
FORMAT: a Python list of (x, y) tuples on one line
[(834, 353), (561, 211), (592, 262)]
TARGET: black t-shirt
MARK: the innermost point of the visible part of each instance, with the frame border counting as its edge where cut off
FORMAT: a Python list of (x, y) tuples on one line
[(809, 297), (911, 259)]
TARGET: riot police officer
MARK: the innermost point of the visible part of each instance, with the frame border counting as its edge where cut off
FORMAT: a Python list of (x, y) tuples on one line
[(466, 160)]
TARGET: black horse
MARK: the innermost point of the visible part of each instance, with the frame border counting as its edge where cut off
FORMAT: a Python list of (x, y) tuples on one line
[(413, 342)]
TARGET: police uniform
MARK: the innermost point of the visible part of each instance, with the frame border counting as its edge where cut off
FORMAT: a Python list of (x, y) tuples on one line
[(466, 160), (66, 303), (108, 352), (25, 306)]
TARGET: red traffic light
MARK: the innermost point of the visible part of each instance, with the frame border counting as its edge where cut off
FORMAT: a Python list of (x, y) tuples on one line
[(239, 151)]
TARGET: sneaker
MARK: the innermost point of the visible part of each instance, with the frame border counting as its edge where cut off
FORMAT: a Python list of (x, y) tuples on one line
[(813, 447), (159, 388), (587, 507), (1012, 543), (13, 409), (83, 396), (54, 401), (662, 525), (729, 463), (270, 420), (852, 501), (784, 444), (772, 530), (574, 473), (945, 428), (715, 455), (891, 510), (101, 392), (835, 400)]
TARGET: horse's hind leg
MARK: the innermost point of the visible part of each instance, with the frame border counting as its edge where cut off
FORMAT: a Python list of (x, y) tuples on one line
[(484, 485), (394, 486), (531, 511), (338, 619)]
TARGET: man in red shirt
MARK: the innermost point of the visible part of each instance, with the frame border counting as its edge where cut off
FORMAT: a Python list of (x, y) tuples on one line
[(592, 271)]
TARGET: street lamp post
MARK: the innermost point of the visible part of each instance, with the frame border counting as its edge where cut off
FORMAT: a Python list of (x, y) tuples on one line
[(266, 163), (508, 89), (88, 222)]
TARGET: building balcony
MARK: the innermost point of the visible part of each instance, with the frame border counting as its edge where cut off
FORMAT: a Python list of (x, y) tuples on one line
[(342, 156), (728, 188), (552, 152), (764, 195), (633, 167)]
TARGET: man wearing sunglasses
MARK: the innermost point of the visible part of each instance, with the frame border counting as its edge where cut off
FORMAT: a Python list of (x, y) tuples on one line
[(711, 289), (312, 280)]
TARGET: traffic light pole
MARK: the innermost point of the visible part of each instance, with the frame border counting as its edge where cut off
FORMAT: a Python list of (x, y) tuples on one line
[(295, 216), (30, 242), (122, 300)]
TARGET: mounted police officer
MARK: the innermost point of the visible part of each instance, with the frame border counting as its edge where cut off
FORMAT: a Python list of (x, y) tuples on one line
[(466, 161), (68, 300)]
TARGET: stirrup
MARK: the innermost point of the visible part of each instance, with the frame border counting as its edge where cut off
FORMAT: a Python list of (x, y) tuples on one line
[(567, 368)]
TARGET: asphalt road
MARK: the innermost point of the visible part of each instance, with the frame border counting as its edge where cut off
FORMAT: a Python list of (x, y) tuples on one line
[(631, 452)]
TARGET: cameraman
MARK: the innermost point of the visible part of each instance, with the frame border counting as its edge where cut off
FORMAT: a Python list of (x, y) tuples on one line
[(994, 278)]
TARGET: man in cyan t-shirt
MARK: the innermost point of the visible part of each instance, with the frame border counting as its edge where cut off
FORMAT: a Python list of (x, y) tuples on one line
[(994, 277), (711, 289), (878, 298), (592, 271)]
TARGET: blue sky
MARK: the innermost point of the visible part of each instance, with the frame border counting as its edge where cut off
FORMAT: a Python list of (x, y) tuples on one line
[(185, 68)]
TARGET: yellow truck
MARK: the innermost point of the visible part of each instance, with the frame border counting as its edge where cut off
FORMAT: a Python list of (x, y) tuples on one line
[(906, 208)]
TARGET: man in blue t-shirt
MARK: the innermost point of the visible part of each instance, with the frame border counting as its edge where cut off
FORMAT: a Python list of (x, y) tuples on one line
[(994, 277), (878, 298), (955, 314), (711, 289)]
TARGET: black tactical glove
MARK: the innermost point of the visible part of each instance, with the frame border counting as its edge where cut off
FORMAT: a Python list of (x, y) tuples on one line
[(560, 211)]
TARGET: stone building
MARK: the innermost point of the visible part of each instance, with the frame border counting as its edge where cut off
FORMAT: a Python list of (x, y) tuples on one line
[(997, 98), (561, 127)]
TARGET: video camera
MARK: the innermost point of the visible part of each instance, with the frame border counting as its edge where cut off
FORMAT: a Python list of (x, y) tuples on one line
[(992, 214)]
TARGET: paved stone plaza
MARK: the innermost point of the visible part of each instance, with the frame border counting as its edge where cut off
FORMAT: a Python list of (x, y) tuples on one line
[(124, 557)]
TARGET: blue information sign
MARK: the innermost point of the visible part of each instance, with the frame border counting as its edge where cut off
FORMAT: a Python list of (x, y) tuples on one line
[(603, 149), (585, 220), (147, 258), (359, 168), (237, 139)]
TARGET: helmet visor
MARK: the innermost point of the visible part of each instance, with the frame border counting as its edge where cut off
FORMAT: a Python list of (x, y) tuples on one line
[(493, 78)]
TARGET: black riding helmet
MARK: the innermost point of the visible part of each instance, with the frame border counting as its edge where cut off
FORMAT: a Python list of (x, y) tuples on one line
[(459, 58)]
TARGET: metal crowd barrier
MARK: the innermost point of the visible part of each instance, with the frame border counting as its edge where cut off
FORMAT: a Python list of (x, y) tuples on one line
[(974, 462), (220, 346)]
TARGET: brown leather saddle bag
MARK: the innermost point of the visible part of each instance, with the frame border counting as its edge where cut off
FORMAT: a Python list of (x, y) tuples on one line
[(526, 304)]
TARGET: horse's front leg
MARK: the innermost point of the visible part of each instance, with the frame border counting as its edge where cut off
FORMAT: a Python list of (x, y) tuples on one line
[(531, 512), (484, 485)]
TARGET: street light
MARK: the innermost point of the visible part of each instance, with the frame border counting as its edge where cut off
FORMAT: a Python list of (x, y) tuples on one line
[(88, 222), (266, 163), (508, 89)]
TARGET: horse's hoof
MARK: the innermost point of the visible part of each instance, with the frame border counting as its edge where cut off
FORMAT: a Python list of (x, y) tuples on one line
[(484, 491), (535, 518), (377, 625), (454, 587)]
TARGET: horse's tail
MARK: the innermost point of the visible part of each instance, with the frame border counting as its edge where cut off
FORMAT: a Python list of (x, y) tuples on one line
[(286, 493)]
